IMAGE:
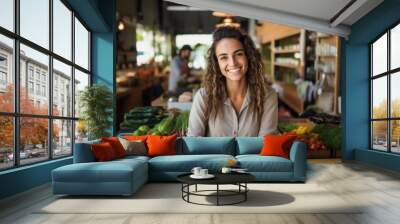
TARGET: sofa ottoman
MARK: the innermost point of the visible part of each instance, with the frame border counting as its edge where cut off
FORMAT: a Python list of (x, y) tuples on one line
[(119, 177)]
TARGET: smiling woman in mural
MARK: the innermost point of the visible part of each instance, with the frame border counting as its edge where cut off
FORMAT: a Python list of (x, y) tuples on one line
[(235, 99)]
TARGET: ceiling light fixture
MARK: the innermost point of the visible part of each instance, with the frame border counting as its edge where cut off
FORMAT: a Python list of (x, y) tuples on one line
[(121, 25), (221, 14), (228, 21)]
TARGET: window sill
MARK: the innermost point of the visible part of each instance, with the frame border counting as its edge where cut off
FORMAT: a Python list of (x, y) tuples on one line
[(26, 167)]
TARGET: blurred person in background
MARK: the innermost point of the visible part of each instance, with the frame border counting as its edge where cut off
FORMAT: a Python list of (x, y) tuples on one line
[(179, 68)]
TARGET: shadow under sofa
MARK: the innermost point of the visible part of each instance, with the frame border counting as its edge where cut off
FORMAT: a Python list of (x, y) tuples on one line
[(126, 175)]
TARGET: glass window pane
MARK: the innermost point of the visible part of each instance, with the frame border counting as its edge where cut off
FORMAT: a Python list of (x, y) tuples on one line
[(6, 74), (62, 89), (379, 135), (6, 142), (7, 14), (81, 132), (81, 45), (62, 29), (395, 136), (33, 140), (395, 94), (62, 138), (81, 81), (35, 21), (379, 98), (395, 47), (379, 55), (34, 97)]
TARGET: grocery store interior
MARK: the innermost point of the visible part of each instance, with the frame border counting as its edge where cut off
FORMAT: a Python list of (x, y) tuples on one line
[(301, 65)]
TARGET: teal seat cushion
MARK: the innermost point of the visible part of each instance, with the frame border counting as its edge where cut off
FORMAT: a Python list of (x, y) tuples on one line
[(257, 163), (249, 145), (208, 145), (133, 158), (111, 171), (185, 163)]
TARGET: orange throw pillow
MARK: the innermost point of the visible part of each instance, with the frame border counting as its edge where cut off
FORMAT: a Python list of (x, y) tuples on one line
[(161, 145), (277, 145), (103, 151), (135, 137), (116, 145)]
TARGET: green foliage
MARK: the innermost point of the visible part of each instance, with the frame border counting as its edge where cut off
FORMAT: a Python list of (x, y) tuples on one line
[(96, 104), (182, 123), (330, 134), (286, 127)]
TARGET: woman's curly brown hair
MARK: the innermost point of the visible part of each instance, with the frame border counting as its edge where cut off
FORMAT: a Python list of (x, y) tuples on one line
[(214, 82)]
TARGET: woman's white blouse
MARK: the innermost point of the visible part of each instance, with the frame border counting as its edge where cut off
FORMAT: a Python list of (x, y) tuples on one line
[(228, 123)]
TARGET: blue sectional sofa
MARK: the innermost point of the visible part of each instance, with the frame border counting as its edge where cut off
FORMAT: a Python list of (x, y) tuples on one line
[(125, 176)]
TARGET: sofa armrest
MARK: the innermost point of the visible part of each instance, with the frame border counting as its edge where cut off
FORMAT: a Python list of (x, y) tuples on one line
[(83, 152), (298, 155)]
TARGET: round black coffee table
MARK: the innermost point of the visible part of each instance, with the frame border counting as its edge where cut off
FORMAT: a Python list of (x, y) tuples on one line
[(238, 179)]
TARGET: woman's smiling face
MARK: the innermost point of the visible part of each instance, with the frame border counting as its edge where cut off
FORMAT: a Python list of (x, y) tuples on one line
[(232, 59)]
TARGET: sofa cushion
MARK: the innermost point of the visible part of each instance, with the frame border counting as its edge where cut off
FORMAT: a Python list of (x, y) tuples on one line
[(116, 145), (136, 147), (134, 137), (208, 145), (103, 151), (161, 145), (249, 145), (257, 163), (185, 163), (277, 145), (112, 171)]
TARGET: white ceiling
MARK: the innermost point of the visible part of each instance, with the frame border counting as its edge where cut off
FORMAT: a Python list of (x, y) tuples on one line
[(314, 15)]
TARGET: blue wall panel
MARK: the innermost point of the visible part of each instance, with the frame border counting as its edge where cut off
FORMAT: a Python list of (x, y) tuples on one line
[(356, 87), (24, 178)]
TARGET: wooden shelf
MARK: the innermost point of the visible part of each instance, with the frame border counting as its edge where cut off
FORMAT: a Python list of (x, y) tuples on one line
[(286, 51), (290, 97), (327, 56), (286, 65)]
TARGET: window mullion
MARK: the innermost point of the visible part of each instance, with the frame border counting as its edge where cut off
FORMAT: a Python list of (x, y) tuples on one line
[(73, 82), (370, 98), (50, 81), (16, 84), (389, 106)]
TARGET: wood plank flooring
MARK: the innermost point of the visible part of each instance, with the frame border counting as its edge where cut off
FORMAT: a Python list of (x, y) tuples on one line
[(376, 190)]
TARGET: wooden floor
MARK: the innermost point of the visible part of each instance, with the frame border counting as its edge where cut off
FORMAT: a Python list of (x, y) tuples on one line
[(377, 189)]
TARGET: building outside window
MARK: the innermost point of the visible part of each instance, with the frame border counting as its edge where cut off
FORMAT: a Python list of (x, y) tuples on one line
[(385, 97), (43, 78), (30, 72), (37, 75), (43, 90), (30, 87), (3, 78), (34, 56), (3, 72), (38, 89)]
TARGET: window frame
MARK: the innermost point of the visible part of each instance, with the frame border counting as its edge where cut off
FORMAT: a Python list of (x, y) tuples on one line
[(16, 114), (388, 74)]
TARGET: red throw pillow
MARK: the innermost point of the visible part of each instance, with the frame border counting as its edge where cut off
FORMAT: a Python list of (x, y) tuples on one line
[(161, 145), (103, 151), (277, 145), (135, 138), (116, 145)]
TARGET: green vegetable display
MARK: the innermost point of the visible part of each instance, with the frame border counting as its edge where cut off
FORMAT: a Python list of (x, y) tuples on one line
[(330, 134), (143, 118), (176, 122)]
